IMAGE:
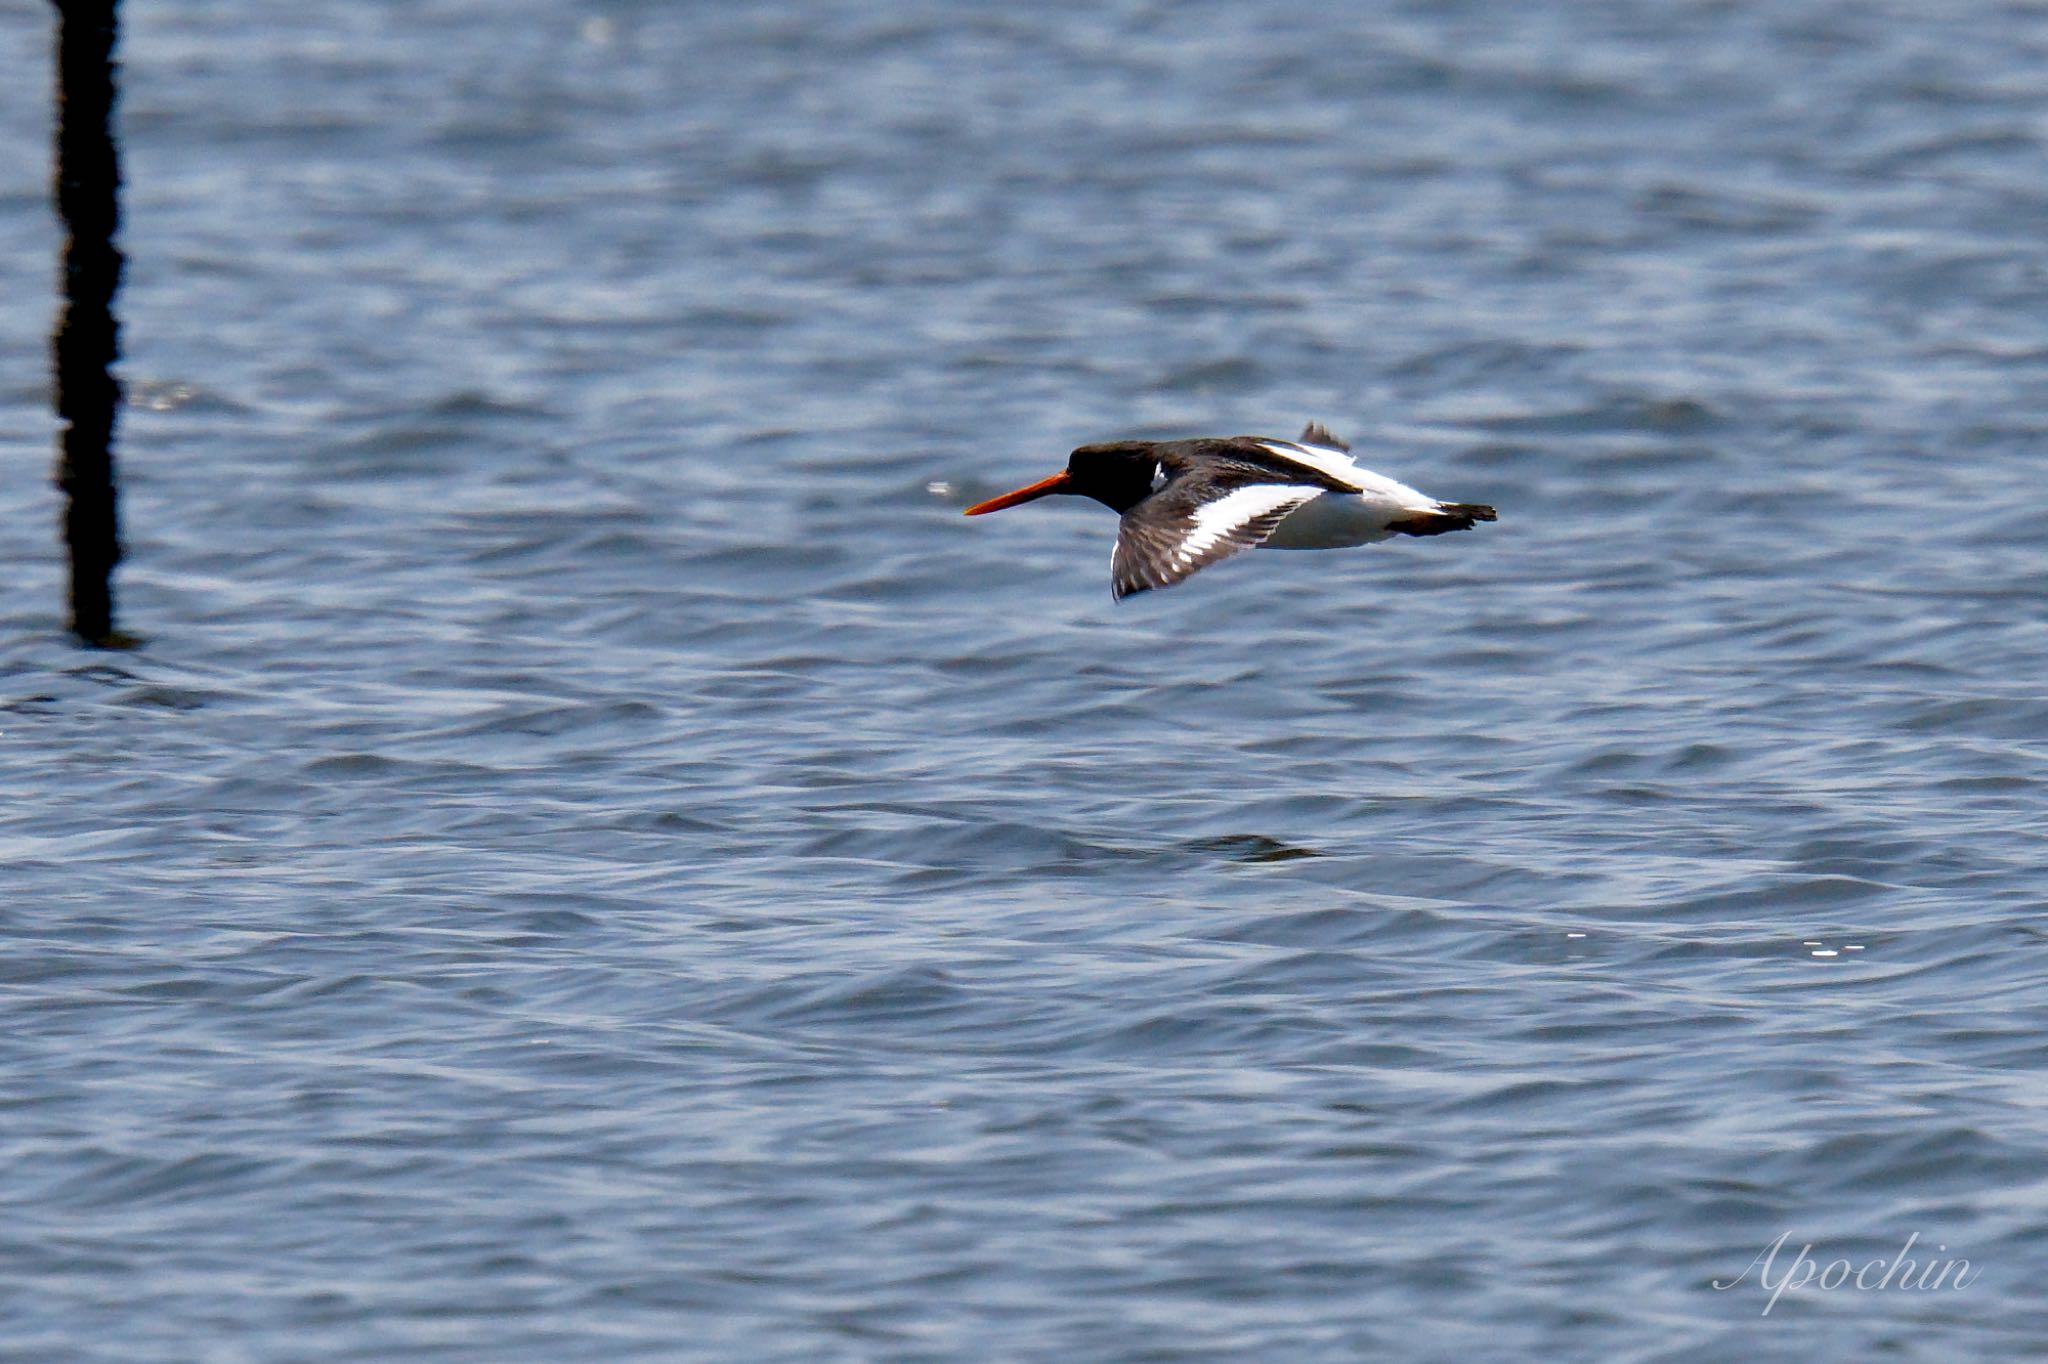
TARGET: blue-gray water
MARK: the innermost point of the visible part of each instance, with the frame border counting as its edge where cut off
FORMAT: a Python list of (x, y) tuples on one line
[(599, 861)]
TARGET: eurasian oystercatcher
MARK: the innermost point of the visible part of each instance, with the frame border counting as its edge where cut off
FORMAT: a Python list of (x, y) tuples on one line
[(1188, 503)]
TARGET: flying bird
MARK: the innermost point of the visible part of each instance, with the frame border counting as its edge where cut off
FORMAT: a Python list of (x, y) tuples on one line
[(1187, 504)]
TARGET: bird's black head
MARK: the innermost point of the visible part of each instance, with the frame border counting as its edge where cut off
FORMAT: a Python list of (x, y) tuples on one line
[(1117, 474)]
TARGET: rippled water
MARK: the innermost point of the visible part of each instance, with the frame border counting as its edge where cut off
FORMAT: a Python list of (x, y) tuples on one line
[(598, 860)]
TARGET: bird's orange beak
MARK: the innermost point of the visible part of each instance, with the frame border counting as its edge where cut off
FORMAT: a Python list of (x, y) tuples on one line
[(1045, 487)]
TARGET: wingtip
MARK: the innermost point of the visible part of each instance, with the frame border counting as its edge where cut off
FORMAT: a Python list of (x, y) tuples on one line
[(1315, 433)]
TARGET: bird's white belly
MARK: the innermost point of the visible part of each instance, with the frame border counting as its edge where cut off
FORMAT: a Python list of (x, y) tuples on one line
[(1336, 521)]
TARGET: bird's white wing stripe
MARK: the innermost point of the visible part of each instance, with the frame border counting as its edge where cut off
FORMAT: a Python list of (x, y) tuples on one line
[(1213, 521), (1341, 466), (1324, 460)]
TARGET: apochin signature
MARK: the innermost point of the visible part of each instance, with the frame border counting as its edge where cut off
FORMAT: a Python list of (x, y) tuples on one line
[(1872, 1276)]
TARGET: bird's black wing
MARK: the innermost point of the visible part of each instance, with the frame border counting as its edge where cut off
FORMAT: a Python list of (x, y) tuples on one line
[(1208, 509)]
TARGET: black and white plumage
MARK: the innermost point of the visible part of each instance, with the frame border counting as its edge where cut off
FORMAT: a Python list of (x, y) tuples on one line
[(1187, 504)]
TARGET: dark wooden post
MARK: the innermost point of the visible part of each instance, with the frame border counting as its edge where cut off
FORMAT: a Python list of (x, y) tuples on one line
[(87, 339)]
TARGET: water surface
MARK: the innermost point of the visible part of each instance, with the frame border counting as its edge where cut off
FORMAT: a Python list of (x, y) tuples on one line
[(598, 860)]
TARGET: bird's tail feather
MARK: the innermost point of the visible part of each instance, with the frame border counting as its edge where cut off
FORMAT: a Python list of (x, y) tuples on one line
[(1445, 516)]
